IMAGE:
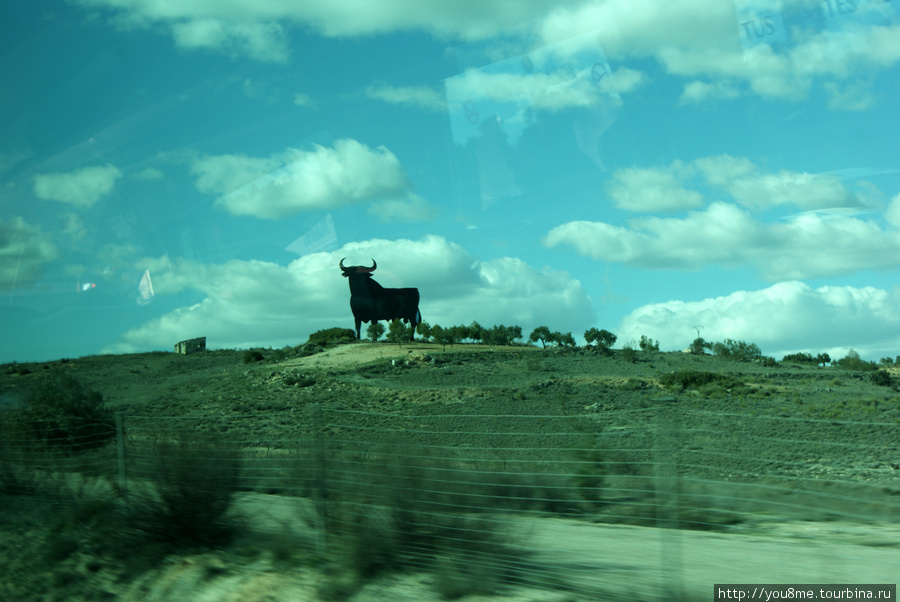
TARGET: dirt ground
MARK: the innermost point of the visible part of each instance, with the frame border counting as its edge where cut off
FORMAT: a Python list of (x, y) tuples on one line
[(791, 422)]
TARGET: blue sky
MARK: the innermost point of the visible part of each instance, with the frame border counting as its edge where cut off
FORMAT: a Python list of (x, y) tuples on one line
[(641, 166)]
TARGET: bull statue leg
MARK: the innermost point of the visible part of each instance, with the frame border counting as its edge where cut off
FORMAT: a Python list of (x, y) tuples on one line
[(414, 321)]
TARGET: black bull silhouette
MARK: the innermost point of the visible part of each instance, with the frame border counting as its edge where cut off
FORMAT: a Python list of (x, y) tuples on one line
[(371, 302)]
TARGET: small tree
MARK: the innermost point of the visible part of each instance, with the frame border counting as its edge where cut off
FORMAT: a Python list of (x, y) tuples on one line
[(737, 350), (699, 346), (566, 340), (648, 344), (375, 330), (881, 378), (824, 358), (458, 333), (397, 332), (800, 358), (852, 361), (474, 331), (59, 411), (542, 334), (332, 335), (604, 338), (511, 333), (441, 335), (423, 329), (501, 335)]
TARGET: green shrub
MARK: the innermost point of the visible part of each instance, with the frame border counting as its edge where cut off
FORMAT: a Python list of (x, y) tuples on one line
[(881, 378), (799, 358), (604, 338), (695, 379), (253, 355), (699, 346), (332, 335), (737, 350), (193, 484), (398, 332), (648, 344), (59, 411), (401, 511), (375, 330), (852, 361)]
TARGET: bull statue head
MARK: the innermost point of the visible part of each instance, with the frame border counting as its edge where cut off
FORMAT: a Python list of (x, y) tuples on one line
[(357, 269)]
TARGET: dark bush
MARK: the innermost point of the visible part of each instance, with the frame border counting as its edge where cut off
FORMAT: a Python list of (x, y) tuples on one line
[(332, 335), (881, 378), (737, 350), (604, 338), (648, 344), (695, 379), (194, 482), (699, 346), (253, 355), (799, 358), (59, 411)]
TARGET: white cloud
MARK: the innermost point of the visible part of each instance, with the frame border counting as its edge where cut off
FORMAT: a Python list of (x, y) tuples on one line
[(651, 189), (81, 188), (807, 191), (421, 97), (697, 91), (850, 97), (784, 318), (412, 209), (24, 250), (721, 170), (807, 246), (261, 41), (700, 38), (690, 38), (303, 100), (295, 180), (892, 213), (553, 91), (622, 81), (664, 188), (641, 27), (251, 303), (150, 173), (256, 27)]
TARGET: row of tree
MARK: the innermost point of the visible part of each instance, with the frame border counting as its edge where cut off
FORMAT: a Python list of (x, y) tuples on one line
[(604, 339), (397, 332)]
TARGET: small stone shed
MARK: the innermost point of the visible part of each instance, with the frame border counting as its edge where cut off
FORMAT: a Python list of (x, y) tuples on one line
[(191, 346)]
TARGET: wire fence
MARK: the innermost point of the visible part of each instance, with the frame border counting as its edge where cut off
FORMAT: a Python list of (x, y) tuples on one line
[(518, 495)]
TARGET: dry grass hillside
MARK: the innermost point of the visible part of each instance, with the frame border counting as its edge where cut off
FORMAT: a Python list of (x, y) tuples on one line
[(371, 470)]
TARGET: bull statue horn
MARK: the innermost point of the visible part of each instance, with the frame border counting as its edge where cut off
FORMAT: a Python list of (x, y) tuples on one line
[(342, 263), (374, 265)]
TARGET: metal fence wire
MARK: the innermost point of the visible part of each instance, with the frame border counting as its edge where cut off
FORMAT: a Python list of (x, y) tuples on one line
[(644, 502)]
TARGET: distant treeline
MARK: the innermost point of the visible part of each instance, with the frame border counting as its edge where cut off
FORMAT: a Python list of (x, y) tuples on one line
[(602, 339)]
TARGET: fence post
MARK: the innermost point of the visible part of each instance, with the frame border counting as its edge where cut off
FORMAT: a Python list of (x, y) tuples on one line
[(667, 502), (120, 448), (320, 490)]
